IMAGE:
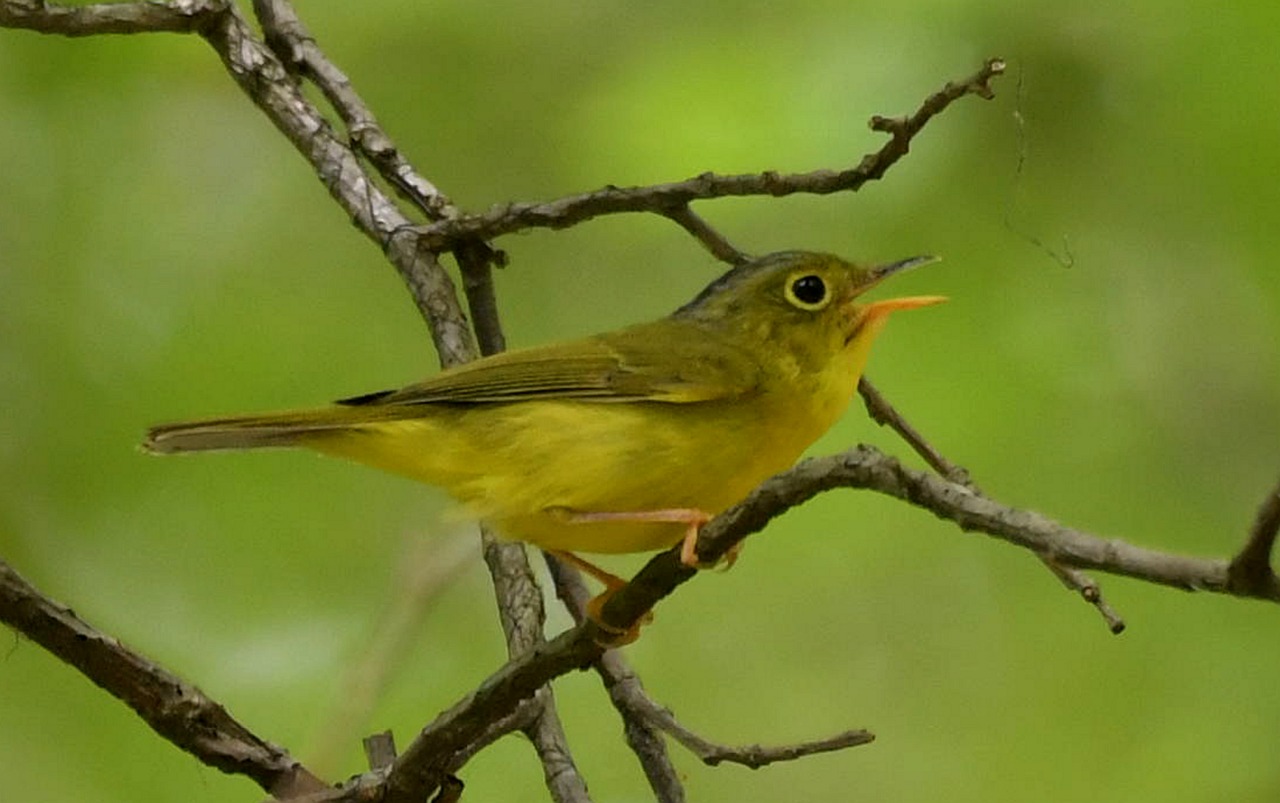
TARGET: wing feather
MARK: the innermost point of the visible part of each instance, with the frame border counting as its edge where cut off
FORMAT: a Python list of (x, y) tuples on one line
[(668, 361)]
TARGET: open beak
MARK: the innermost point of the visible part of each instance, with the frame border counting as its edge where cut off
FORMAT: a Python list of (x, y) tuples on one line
[(879, 310), (870, 317), (879, 273)]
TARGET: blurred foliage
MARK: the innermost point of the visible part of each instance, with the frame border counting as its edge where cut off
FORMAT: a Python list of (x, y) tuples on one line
[(164, 254)]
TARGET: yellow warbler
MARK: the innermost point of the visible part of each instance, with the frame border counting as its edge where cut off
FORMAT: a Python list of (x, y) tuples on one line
[(626, 441)]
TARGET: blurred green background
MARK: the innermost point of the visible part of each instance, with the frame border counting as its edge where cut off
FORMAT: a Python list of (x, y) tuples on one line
[(165, 254)]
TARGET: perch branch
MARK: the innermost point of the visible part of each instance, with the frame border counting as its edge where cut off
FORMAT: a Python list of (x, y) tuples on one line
[(861, 467), (176, 710)]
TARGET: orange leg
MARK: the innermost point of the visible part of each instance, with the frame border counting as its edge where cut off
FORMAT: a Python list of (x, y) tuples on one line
[(692, 518), (612, 582)]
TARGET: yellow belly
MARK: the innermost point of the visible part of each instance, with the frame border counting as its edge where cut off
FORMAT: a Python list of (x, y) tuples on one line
[(521, 466)]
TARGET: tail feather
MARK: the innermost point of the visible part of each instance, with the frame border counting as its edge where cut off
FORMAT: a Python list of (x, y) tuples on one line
[(244, 432)]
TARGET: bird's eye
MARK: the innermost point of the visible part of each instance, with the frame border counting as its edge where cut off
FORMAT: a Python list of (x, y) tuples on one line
[(807, 291)]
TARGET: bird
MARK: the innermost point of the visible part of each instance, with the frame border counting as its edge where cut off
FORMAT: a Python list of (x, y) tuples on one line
[(625, 441)]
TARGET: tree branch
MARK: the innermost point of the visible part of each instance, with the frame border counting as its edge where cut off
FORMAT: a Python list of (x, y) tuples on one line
[(703, 232), (262, 77), (647, 718), (663, 199), (884, 414), (754, 756), (622, 684), (179, 16), (867, 467), (297, 49), (522, 614), (861, 467), (176, 710)]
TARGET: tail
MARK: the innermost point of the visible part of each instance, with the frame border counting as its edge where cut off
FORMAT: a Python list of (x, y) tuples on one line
[(246, 432)]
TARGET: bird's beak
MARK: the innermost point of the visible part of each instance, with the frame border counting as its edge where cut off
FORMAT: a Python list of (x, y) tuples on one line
[(879, 310), (867, 319)]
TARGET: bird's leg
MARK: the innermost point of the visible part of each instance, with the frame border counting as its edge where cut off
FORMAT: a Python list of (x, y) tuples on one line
[(612, 582), (691, 517)]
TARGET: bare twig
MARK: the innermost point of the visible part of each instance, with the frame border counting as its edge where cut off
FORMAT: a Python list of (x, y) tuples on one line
[(700, 230), (662, 198), (1088, 589), (884, 414), (644, 715), (1250, 571), (753, 756), (902, 129), (172, 707)]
